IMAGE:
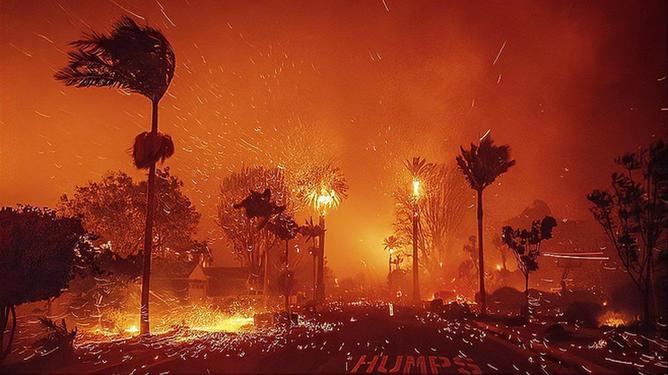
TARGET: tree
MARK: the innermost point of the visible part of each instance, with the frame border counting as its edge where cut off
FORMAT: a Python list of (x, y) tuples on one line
[(311, 232), (525, 244), (391, 244), (250, 242), (441, 209), (322, 187), (633, 216), (285, 228), (114, 209), (40, 252), (481, 165), (138, 59)]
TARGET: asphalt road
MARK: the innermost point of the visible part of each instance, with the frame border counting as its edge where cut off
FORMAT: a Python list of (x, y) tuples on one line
[(346, 339), (368, 340)]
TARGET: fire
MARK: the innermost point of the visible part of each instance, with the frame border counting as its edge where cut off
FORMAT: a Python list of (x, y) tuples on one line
[(193, 318), (132, 329), (613, 319), (498, 267)]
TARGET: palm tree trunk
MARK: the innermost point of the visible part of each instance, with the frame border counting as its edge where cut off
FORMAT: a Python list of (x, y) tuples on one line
[(526, 295), (287, 289), (320, 288), (148, 234), (481, 262), (416, 280)]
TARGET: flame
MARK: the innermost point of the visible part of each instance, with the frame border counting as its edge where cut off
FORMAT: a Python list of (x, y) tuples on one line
[(122, 324), (613, 319)]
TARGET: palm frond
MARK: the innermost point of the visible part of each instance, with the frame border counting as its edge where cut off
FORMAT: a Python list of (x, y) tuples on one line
[(483, 163), (136, 58)]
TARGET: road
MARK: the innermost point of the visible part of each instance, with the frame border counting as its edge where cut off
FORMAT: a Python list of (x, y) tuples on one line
[(351, 338)]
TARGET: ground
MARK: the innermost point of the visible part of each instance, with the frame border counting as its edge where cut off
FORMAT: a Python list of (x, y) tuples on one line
[(362, 337)]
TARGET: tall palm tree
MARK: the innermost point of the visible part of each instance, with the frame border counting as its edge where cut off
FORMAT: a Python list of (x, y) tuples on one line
[(481, 165), (285, 228), (419, 170), (138, 59)]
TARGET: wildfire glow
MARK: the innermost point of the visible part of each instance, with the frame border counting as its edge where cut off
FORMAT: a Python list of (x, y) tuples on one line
[(324, 199), (613, 319), (121, 324)]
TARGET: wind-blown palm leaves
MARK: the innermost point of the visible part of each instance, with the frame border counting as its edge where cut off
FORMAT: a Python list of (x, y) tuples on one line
[(481, 165), (149, 148), (138, 59), (134, 58)]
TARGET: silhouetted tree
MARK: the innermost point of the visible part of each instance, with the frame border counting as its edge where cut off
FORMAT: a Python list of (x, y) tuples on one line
[(138, 59), (40, 252), (311, 232), (525, 244), (114, 209), (441, 211), (633, 216), (250, 241), (285, 228), (392, 245), (481, 165)]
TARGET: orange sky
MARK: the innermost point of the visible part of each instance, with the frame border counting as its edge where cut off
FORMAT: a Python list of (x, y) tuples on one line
[(569, 85)]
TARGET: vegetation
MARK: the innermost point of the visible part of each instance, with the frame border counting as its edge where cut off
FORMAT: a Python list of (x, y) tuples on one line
[(525, 244), (40, 252), (633, 215), (441, 211), (250, 241), (138, 59), (114, 209), (481, 165)]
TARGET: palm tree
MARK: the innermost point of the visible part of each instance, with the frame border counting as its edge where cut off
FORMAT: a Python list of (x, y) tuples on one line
[(285, 228), (481, 165), (419, 170), (323, 187), (138, 59), (391, 244)]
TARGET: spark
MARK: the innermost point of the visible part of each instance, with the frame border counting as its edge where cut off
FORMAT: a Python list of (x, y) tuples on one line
[(499, 54), (127, 10)]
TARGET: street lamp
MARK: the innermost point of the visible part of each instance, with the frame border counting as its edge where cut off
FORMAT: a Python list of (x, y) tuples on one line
[(416, 220), (324, 200)]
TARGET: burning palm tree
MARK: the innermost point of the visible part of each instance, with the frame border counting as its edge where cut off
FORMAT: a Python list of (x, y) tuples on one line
[(322, 188), (481, 165), (138, 59)]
